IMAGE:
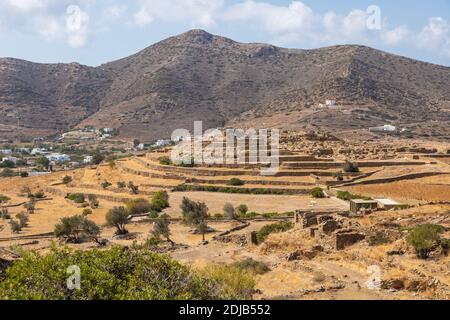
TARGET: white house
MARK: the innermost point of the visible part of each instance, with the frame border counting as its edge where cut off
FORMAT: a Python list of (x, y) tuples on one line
[(330, 103), (163, 143), (39, 151), (5, 151), (58, 157), (386, 128), (87, 159), (12, 159)]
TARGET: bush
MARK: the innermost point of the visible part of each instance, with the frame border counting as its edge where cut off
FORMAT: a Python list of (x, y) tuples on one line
[(347, 196), (262, 234), (161, 228), (153, 214), (165, 161), (424, 238), (86, 212), (24, 174), (15, 226), (233, 282), (77, 197), (121, 185), (160, 201), (252, 266), (445, 245), (317, 193), (93, 202), (242, 210), (138, 206), (67, 179), (4, 198), (350, 167), (118, 217), (7, 164), (23, 219), (39, 195), (114, 274), (76, 229), (106, 185), (235, 182)]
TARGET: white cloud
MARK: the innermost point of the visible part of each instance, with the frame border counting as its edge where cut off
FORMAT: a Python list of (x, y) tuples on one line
[(197, 13), (27, 5), (397, 35)]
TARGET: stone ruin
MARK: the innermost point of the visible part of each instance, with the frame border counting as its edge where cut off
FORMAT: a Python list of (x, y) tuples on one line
[(333, 229)]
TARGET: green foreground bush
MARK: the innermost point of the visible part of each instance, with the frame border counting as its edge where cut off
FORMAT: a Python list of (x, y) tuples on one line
[(262, 234), (424, 238), (120, 274)]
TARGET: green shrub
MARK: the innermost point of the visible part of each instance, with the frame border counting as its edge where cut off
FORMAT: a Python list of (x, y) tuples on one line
[(262, 234), (114, 274), (121, 185), (86, 212), (160, 201), (165, 161), (39, 195), (138, 206), (77, 197), (317, 193), (153, 214), (242, 210), (235, 182), (270, 215), (424, 238), (347, 196), (445, 245), (4, 198), (350, 167), (252, 266)]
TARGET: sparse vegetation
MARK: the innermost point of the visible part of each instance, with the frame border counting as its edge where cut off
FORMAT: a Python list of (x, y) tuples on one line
[(252, 266), (236, 182), (350, 167), (165, 161), (4, 198), (262, 234), (133, 188), (77, 197), (138, 206), (317, 193), (15, 226), (347, 196), (424, 238), (160, 201), (242, 210)]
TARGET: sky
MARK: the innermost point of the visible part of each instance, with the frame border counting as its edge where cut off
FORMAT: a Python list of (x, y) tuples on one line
[(93, 32)]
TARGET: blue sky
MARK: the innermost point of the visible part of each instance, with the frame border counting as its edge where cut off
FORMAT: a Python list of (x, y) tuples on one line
[(97, 31)]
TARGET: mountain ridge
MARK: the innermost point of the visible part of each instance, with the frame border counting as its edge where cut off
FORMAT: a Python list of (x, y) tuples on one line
[(199, 76)]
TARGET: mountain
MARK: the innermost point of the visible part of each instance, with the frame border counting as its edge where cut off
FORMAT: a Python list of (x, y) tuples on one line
[(199, 76)]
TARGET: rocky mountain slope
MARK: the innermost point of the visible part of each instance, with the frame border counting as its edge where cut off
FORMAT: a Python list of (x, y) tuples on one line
[(198, 76)]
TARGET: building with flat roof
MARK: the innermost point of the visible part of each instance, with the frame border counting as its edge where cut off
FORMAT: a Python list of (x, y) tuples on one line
[(357, 205)]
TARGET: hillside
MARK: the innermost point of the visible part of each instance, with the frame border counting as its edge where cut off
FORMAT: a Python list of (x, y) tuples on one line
[(198, 76)]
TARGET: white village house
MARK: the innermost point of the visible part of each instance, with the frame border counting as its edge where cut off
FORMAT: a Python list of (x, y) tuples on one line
[(58, 157), (11, 159)]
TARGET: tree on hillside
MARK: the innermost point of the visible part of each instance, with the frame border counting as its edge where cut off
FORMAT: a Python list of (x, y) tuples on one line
[(161, 228), (118, 217), (229, 211), (195, 214)]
